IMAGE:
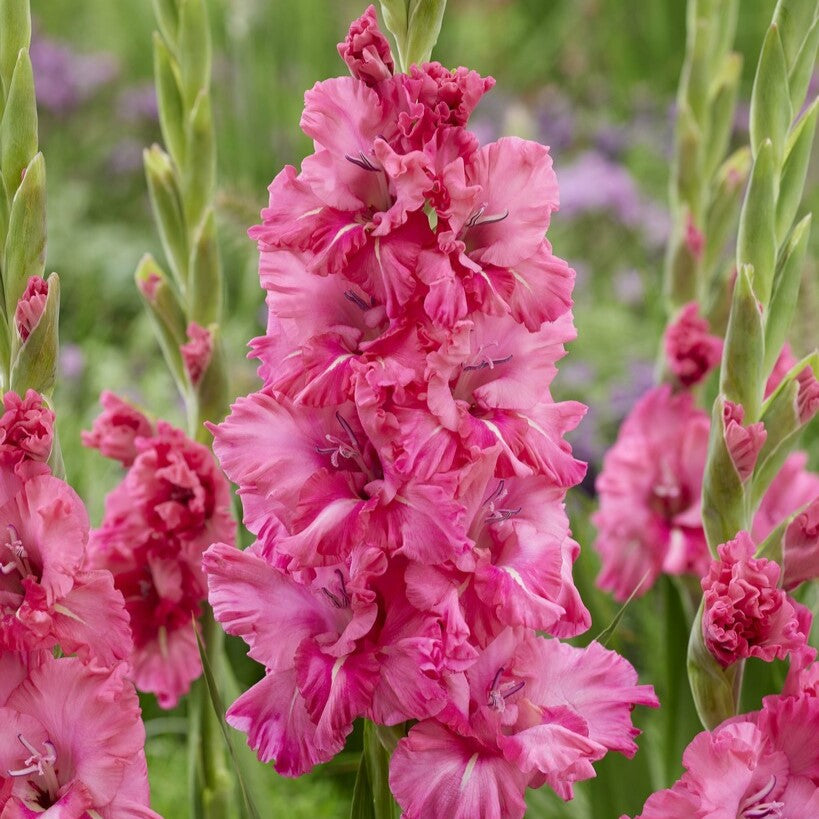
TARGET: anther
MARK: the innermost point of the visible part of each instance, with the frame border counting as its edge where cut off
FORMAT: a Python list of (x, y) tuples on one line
[(362, 161), (352, 296)]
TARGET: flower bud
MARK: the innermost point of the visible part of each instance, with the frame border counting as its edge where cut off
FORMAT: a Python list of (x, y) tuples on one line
[(366, 51), (801, 546), (691, 351), (31, 306), (743, 442), (197, 352), (116, 429), (807, 398)]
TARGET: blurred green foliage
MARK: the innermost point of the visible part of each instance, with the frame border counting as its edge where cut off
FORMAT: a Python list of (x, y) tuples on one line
[(593, 78)]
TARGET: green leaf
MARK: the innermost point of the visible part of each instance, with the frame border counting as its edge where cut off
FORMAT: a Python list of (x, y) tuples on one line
[(166, 202), (608, 632), (771, 112), (362, 804), (26, 241), (803, 66), (756, 243), (378, 773), (795, 168), (18, 128), (787, 280), (741, 377), (194, 49), (205, 286), (218, 706), (15, 34), (199, 174), (35, 365), (169, 99)]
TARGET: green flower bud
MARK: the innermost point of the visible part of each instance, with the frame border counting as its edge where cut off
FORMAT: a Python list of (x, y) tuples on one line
[(169, 100), (795, 169), (26, 240), (793, 18), (756, 243), (802, 68), (199, 174), (721, 114), (212, 389), (166, 201), (714, 688), (18, 128), (194, 49), (787, 280), (166, 13), (15, 34), (741, 377), (723, 497), (415, 24), (771, 112), (165, 309), (205, 290)]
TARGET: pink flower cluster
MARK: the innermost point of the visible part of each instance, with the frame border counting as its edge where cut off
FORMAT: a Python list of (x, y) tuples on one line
[(763, 764), (403, 467), (171, 505), (88, 758), (650, 519), (745, 613)]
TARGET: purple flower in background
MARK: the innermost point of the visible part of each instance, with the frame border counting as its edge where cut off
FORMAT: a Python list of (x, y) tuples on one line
[(629, 287), (138, 103), (72, 362), (640, 379), (593, 183), (64, 78)]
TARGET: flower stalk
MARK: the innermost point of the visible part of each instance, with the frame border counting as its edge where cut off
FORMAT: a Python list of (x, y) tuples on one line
[(186, 308), (769, 259)]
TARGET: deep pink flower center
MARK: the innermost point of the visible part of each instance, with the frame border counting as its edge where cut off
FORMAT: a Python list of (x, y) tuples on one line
[(39, 772)]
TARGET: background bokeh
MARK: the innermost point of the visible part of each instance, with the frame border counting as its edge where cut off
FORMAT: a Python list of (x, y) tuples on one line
[(594, 79)]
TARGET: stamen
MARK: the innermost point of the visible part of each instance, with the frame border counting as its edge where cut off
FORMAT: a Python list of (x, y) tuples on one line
[(753, 808), (333, 599), (19, 558), (362, 161), (511, 688), (497, 494), (499, 515), (348, 429), (491, 219), (488, 362), (344, 593), (352, 296), (473, 219), (36, 763)]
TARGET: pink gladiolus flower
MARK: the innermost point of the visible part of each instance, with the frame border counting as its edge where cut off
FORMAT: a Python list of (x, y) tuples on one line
[(31, 306), (692, 352), (404, 466), (743, 442), (196, 353), (540, 712), (801, 547), (26, 429), (649, 519), (71, 744), (366, 50), (47, 597), (745, 614), (172, 504), (115, 431), (763, 764)]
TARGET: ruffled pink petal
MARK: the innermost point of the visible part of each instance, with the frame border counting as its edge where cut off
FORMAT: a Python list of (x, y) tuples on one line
[(435, 772)]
